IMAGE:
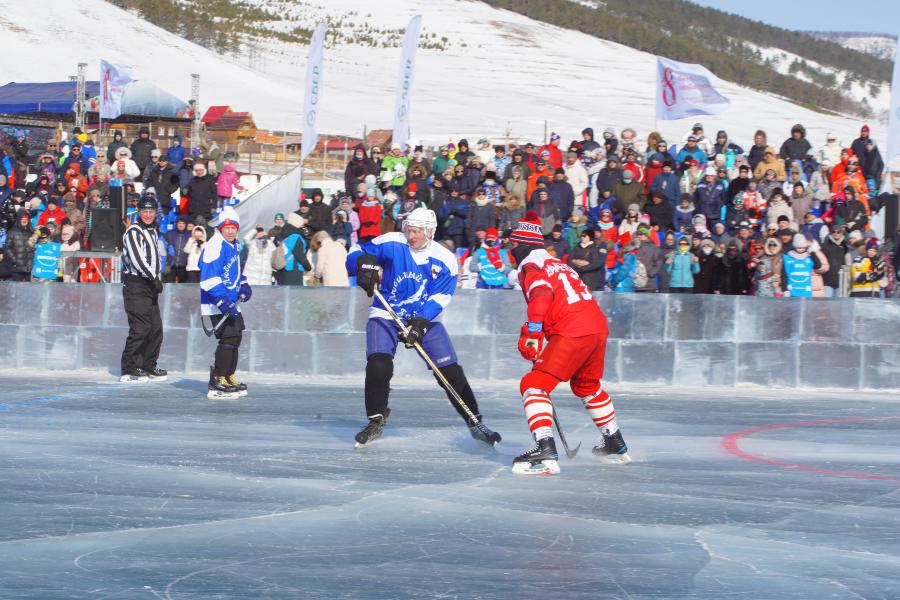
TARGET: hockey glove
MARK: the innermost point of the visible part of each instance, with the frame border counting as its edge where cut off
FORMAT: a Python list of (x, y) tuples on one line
[(367, 273), (416, 328), (227, 307), (531, 341), (862, 278), (158, 285), (245, 291)]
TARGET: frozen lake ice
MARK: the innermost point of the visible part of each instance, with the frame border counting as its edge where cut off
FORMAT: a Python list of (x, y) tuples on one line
[(152, 491)]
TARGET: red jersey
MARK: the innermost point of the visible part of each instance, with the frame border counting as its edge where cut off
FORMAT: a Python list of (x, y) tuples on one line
[(570, 310)]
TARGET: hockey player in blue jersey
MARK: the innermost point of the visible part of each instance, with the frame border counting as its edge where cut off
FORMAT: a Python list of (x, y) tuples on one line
[(222, 286), (417, 277)]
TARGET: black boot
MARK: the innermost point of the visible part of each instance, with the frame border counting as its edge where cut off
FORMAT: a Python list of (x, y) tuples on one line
[(542, 459), (157, 374), (373, 428)]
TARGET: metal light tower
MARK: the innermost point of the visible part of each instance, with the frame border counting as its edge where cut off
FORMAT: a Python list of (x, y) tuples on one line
[(195, 105), (80, 105)]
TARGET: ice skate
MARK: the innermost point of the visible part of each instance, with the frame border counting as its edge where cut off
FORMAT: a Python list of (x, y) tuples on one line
[(612, 449), (241, 387), (482, 433), (219, 387), (542, 459), (157, 374), (135, 376), (373, 429)]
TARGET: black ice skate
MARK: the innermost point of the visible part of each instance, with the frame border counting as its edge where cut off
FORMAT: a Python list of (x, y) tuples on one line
[(241, 387), (219, 388), (157, 374), (373, 429), (482, 433), (134, 376), (612, 449), (542, 459)]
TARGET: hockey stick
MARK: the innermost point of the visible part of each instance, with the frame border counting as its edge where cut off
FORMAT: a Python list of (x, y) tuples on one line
[(404, 329), (210, 332)]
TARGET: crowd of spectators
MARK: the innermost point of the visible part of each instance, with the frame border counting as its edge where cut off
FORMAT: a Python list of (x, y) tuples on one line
[(694, 215)]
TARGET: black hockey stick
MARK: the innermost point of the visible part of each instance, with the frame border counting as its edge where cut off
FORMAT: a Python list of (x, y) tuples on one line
[(211, 331), (404, 330), (569, 452)]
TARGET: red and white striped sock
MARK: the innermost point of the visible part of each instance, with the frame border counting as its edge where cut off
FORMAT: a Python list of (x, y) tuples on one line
[(600, 407), (539, 412)]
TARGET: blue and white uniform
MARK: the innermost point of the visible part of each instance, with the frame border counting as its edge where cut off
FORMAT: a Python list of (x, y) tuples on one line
[(416, 283), (220, 274)]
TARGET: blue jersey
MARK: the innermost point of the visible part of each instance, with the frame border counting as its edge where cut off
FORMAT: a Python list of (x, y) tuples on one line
[(46, 260), (416, 283), (220, 274), (799, 272)]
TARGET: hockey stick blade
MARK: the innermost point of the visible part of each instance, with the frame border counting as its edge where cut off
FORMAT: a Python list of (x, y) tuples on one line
[(562, 437)]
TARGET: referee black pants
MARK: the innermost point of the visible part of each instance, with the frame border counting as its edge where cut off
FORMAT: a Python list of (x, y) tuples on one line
[(145, 330)]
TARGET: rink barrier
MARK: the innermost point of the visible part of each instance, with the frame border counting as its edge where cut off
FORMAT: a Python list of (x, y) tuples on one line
[(683, 340)]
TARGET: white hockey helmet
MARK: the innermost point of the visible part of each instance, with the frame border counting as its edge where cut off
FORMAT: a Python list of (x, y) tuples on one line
[(422, 218)]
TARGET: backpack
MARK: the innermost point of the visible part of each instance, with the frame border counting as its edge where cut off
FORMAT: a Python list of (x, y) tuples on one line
[(639, 274)]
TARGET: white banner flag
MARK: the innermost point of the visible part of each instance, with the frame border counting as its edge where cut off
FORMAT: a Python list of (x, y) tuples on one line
[(313, 91), (113, 79), (686, 90), (894, 115), (405, 83)]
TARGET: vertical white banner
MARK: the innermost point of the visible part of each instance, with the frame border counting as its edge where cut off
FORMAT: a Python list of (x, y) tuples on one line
[(313, 92), (686, 90), (894, 115), (405, 83), (113, 79)]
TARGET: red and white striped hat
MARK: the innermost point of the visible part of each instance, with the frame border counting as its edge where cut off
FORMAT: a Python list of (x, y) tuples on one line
[(529, 230)]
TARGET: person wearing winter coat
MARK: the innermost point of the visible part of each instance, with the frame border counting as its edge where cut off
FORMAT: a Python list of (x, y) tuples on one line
[(693, 151), (623, 279), (766, 265), (292, 242), (831, 151), (820, 268), (562, 194), (202, 194), (770, 161), (227, 184), (588, 143), (661, 214), (359, 162), (605, 182), (834, 247), (801, 202), (76, 157), (628, 192), (708, 278), (709, 197), (69, 245), (758, 149), (20, 242), (735, 280), (573, 228), (872, 165), (176, 152), (192, 248), (128, 170), (779, 206), (482, 214), (452, 219), (651, 256), (820, 187), (866, 271), (163, 178), (682, 265), (512, 210), (847, 210), (113, 146), (258, 264), (589, 261), (215, 158), (331, 257), (683, 216), (796, 147), (858, 147), (798, 268), (176, 256), (576, 177), (53, 213), (667, 183), (141, 149)]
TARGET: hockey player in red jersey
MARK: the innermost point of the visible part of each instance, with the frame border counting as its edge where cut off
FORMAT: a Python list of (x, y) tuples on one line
[(565, 337)]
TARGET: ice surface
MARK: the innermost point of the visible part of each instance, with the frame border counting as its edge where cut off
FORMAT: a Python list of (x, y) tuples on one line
[(113, 491)]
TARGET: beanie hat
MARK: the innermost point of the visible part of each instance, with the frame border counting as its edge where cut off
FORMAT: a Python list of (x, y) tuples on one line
[(872, 243), (529, 231), (554, 136), (412, 188), (491, 234), (279, 216), (229, 217), (800, 241), (864, 129)]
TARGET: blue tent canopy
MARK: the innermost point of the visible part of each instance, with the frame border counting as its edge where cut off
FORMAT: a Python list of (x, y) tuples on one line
[(141, 98)]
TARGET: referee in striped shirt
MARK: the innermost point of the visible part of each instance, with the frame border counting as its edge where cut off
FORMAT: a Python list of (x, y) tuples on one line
[(141, 271)]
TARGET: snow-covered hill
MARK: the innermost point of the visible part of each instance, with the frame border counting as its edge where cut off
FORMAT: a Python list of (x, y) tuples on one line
[(876, 44), (500, 74)]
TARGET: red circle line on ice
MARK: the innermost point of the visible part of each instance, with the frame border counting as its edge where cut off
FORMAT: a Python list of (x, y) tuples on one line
[(730, 443)]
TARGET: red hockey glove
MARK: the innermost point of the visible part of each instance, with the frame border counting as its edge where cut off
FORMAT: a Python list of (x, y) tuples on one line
[(531, 341)]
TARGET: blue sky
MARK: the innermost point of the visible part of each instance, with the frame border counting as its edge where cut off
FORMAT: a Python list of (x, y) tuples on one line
[(821, 15)]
